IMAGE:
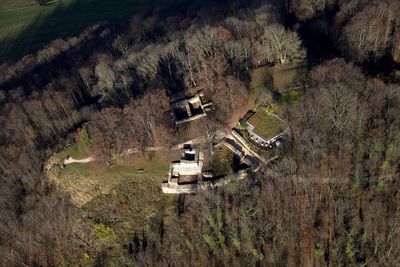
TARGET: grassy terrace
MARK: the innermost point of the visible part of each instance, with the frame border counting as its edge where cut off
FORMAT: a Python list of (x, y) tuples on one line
[(77, 151), (134, 197), (26, 26), (266, 125), (222, 161), (119, 196), (85, 182)]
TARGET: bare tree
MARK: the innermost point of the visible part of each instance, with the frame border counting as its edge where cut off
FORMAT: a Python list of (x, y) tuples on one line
[(167, 53), (103, 129), (368, 34), (106, 78), (87, 79), (211, 72), (242, 28), (207, 128), (239, 53), (148, 119), (121, 44), (396, 46), (191, 62), (307, 9), (229, 95), (281, 46), (148, 62)]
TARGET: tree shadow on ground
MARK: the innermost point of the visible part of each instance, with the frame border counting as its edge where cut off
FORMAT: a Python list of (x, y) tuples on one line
[(65, 21), (47, 2)]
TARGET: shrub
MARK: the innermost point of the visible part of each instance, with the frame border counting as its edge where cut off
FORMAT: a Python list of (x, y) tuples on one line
[(104, 233), (85, 138)]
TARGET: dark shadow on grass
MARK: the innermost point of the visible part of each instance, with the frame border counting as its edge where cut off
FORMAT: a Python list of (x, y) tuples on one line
[(28, 41), (65, 21), (48, 2)]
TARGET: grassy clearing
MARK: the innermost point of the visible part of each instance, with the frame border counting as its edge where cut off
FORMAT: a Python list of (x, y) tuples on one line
[(277, 78), (222, 161), (77, 151), (266, 124), (120, 171), (85, 182), (26, 26), (130, 206), (134, 204), (280, 77), (259, 79), (286, 75), (118, 201), (290, 97), (260, 82)]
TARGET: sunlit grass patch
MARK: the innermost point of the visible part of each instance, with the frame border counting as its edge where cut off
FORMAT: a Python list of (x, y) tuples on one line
[(124, 168), (9, 5), (25, 26), (87, 181), (76, 151), (135, 202), (290, 97), (104, 233)]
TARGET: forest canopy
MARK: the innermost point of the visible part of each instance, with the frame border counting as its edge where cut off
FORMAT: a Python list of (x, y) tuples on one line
[(332, 197)]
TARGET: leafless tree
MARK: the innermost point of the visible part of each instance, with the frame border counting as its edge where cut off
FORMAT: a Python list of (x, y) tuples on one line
[(229, 95), (238, 52), (148, 62), (148, 119), (121, 44), (106, 79), (396, 46), (368, 35), (282, 46), (307, 9)]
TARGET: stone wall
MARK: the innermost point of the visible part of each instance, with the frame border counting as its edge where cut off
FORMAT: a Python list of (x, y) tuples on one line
[(205, 185)]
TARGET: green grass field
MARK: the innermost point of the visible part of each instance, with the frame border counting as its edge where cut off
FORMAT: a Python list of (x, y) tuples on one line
[(26, 26)]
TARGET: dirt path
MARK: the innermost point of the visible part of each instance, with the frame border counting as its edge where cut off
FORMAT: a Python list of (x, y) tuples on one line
[(71, 160), (130, 151)]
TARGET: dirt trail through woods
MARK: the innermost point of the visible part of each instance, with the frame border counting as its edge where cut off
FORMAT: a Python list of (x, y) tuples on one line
[(71, 160)]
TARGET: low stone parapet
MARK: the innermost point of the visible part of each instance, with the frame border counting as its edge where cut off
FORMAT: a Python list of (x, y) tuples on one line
[(179, 189)]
